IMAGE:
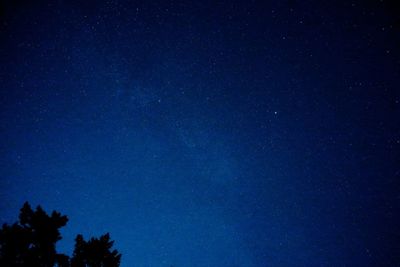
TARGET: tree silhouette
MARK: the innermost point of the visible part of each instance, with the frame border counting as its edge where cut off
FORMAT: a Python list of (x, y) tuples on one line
[(87, 253), (31, 242)]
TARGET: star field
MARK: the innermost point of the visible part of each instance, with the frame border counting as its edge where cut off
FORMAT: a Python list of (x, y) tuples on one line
[(237, 133)]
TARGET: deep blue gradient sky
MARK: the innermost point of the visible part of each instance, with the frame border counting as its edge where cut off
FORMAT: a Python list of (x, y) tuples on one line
[(207, 134)]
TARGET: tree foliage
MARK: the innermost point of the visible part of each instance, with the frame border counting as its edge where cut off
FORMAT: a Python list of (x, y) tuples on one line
[(32, 242), (87, 253)]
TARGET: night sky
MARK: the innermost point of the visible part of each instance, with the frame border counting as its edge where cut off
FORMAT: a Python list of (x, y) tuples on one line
[(204, 133)]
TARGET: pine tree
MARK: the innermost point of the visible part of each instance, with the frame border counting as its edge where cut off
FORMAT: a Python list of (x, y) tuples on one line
[(31, 242)]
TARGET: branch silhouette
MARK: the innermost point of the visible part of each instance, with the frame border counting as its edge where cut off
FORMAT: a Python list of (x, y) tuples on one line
[(31, 242)]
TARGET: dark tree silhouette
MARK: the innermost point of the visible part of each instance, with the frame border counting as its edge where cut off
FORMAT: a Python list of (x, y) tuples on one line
[(31, 242), (87, 253)]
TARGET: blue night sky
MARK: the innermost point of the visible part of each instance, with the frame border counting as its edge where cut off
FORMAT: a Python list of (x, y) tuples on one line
[(205, 133)]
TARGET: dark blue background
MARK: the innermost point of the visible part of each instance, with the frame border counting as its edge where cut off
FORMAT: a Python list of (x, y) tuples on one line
[(221, 134)]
